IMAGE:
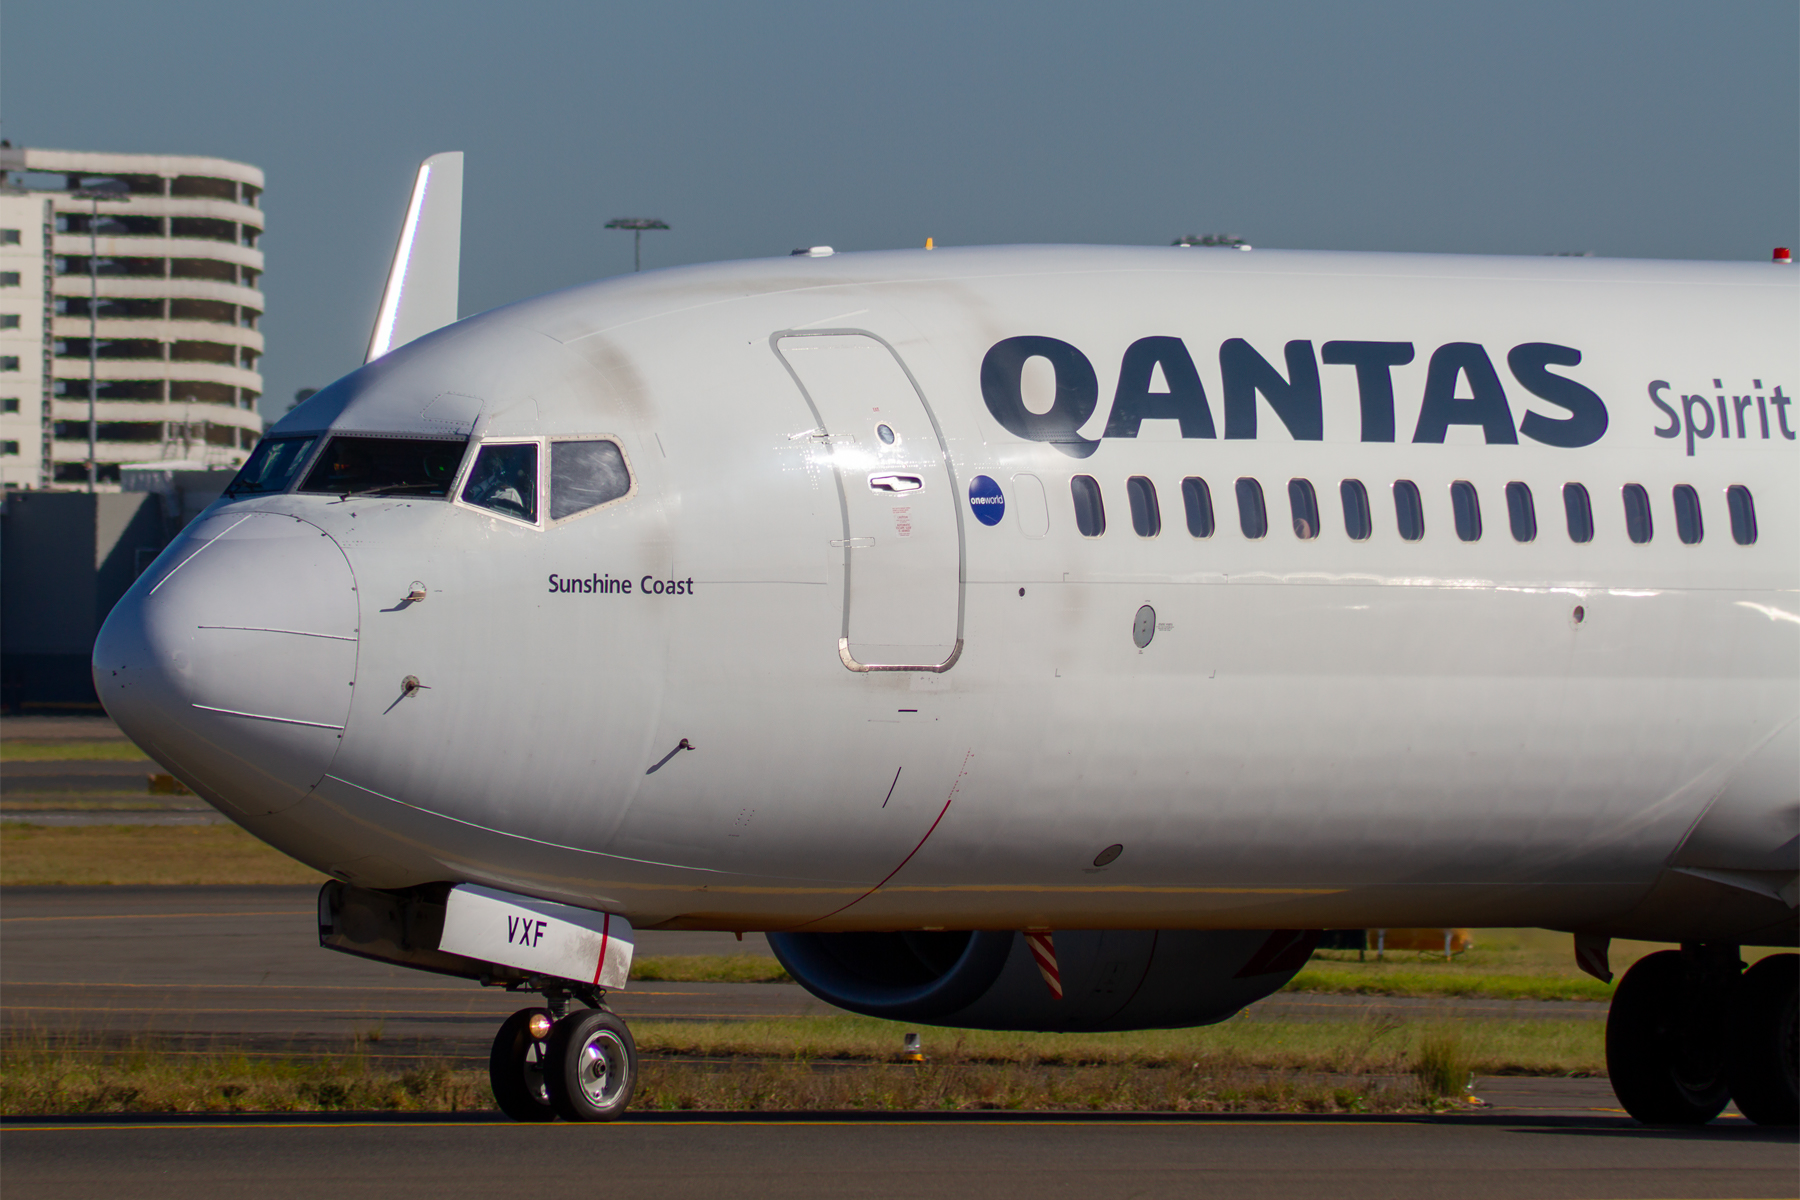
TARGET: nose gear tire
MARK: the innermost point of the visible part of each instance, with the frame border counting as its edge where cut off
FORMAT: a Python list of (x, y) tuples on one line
[(1665, 1045), (1763, 1051), (591, 1066), (516, 1068)]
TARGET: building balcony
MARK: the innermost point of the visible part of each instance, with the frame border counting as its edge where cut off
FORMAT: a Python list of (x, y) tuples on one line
[(152, 287), (164, 207), (75, 246), (113, 411), (162, 331)]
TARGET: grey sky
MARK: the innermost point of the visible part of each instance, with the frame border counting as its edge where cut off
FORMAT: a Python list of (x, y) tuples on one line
[(1628, 129)]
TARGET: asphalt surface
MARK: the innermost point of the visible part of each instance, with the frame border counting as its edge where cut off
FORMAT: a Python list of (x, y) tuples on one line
[(244, 963), (241, 967), (1042, 1158), (88, 791)]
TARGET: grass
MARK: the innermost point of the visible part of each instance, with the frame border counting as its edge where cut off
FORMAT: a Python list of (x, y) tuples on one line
[(142, 854), (1439, 1064), (708, 968), (944, 1088), (43, 1077), (1505, 964), (1352, 1047), (55, 751), (818, 1065), (1331, 978), (86, 801)]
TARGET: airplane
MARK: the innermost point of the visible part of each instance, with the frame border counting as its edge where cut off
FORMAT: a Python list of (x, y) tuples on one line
[(1023, 637)]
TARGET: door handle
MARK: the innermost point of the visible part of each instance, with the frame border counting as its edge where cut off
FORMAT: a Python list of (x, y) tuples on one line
[(895, 483)]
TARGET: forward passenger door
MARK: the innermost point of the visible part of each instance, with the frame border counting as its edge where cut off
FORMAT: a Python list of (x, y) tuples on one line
[(902, 537)]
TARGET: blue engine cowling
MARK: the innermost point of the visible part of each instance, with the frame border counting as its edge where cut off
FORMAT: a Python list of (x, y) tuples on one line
[(1111, 979)]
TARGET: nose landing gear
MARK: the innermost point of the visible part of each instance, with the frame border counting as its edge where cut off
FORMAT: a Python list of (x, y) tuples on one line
[(516, 1065), (1687, 1034), (591, 1067), (550, 1062)]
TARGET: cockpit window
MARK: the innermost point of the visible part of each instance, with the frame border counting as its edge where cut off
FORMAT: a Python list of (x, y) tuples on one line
[(584, 475), (367, 466), (272, 466), (504, 479)]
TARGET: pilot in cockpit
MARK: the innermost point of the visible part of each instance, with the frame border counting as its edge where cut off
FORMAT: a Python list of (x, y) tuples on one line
[(504, 479)]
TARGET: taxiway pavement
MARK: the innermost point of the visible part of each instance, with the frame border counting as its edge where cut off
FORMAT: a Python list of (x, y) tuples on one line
[(243, 963), (676, 1156)]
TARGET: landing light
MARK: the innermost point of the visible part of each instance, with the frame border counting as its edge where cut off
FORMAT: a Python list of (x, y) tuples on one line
[(539, 1026)]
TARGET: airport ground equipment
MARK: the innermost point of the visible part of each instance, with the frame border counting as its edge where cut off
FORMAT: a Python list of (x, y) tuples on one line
[(1031, 637)]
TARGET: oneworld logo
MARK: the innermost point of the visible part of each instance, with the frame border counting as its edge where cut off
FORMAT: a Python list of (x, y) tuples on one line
[(1462, 387), (987, 500)]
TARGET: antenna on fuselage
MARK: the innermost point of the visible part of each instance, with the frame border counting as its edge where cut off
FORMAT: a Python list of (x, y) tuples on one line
[(422, 281)]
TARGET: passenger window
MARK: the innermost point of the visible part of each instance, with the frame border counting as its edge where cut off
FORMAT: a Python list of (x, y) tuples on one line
[(1687, 515), (1146, 515), (1466, 506), (1090, 510), (504, 479), (1637, 513), (585, 475), (1253, 518), (1196, 497), (1743, 514), (1520, 512), (1409, 510), (1579, 511), (1305, 505), (1355, 498)]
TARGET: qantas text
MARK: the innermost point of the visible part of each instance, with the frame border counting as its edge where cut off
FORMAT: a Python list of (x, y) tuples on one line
[(1294, 393)]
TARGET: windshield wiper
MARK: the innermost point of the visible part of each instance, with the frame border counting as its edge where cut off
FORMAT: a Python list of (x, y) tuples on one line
[(385, 489)]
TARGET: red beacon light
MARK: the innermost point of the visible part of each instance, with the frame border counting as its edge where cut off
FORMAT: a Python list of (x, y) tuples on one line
[(1784, 255)]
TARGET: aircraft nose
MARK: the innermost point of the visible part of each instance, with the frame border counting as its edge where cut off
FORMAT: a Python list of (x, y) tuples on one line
[(232, 661)]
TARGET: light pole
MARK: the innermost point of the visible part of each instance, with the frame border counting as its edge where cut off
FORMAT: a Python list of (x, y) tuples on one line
[(637, 225), (95, 190)]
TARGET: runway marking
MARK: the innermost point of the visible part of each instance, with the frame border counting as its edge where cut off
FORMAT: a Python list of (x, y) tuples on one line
[(285, 912), (301, 987), (1453, 1007), (640, 1016), (361, 1013), (364, 1012)]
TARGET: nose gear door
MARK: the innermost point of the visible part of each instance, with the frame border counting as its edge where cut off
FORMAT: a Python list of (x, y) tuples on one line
[(902, 542)]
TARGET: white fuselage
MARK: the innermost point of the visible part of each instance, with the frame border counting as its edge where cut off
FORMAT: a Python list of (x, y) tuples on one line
[(1320, 731)]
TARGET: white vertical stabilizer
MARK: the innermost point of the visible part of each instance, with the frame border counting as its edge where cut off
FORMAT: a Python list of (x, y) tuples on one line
[(422, 282)]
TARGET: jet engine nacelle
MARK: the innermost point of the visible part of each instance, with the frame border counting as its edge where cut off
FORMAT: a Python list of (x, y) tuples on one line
[(1110, 979)]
